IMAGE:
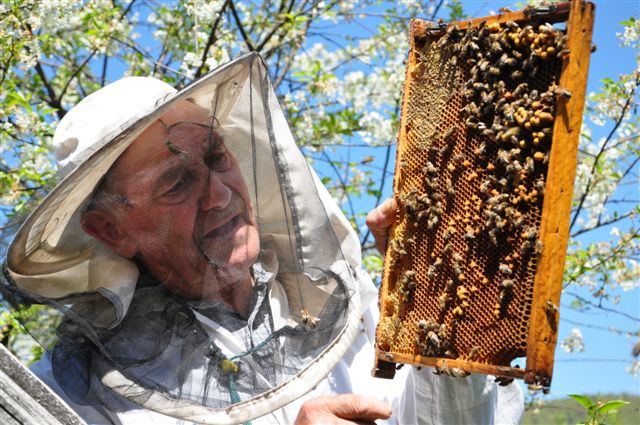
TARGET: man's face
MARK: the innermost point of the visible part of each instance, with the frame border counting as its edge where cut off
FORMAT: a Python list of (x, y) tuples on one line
[(190, 219)]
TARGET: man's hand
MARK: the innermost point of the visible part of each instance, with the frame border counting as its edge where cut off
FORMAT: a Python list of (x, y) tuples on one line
[(342, 409), (379, 219)]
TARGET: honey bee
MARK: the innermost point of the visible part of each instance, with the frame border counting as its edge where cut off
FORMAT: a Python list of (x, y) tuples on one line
[(444, 149), (538, 247), (473, 351), (450, 285), (507, 283), (449, 133), (470, 234), (433, 339), (462, 292), (397, 248), (308, 319), (504, 268), (534, 388), (502, 381), (458, 373), (493, 236), (431, 272), (429, 168), (450, 188), (443, 300)]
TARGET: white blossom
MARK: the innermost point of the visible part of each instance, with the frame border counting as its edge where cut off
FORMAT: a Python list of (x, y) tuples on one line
[(574, 342)]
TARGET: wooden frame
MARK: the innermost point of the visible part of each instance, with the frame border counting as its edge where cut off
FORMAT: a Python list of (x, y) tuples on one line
[(554, 227)]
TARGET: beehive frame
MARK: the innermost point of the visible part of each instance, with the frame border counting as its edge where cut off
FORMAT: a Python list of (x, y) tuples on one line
[(544, 295)]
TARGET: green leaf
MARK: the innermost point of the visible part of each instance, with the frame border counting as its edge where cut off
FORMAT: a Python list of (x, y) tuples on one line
[(629, 23), (610, 405), (584, 401)]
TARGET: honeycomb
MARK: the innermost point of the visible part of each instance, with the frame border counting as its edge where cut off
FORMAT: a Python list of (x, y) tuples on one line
[(471, 169)]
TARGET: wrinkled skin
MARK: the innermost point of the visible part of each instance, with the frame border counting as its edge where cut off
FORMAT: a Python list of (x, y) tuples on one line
[(188, 217)]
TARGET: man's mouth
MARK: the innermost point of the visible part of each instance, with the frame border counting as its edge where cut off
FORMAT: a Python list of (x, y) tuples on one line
[(226, 227)]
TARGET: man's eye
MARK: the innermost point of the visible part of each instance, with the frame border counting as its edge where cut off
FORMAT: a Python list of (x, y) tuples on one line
[(218, 161), (178, 186)]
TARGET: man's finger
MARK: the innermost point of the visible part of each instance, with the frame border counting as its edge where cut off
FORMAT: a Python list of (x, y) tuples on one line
[(354, 406), (342, 409), (379, 220)]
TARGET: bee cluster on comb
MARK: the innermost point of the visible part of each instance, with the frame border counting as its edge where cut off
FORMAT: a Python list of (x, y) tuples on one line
[(479, 109)]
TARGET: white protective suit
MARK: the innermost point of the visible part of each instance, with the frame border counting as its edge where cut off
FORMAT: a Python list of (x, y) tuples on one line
[(416, 396)]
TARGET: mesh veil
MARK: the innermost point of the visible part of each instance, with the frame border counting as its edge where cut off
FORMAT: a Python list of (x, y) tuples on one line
[(230, 289)]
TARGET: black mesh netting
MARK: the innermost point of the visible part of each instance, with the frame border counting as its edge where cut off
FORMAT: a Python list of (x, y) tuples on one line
[(194, 263)]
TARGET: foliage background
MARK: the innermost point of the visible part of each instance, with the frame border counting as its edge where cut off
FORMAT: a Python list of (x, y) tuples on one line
[(338, 69)]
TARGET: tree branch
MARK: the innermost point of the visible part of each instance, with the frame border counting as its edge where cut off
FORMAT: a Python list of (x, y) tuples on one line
[(602, 149), (290, 56), (147, 57), (600, 328), (616, 251), (53, 101), (610, 310), (603, 223), (103, 75), (245, 37), (211, 40), (75, 74), (626, 172)]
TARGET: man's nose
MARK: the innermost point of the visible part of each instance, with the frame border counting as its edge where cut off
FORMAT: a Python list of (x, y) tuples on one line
[(217, 194)]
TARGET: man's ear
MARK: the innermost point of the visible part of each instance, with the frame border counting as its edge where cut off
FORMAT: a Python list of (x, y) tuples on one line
[(103, 226)]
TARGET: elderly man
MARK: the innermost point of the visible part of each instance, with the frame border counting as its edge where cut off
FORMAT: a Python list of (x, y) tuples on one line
[(219, 284)]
